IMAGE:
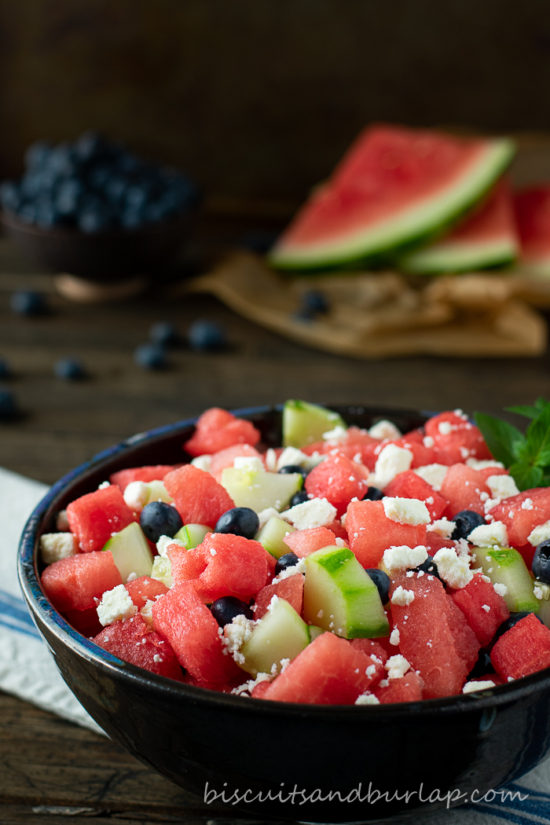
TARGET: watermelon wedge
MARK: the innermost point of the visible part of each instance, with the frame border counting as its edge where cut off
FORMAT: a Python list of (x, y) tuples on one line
[(486, 238), (393, 188), (532, 211)]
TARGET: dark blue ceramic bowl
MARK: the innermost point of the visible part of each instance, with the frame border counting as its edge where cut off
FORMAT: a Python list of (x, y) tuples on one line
[(270, 759)]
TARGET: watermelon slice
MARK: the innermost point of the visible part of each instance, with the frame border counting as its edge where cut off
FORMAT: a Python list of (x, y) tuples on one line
[(394, 187), (532, 211), (486, 238)]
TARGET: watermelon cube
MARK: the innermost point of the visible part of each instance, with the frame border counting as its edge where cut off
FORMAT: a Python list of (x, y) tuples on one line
[(414, 441), (410, 485), (291, 589), (133, 641), (483, 608), (143, 589), (190, 628), (339, 480), (94, 517), (155, 472), (522, 650), (522, 513), (217, 429), (225, 458), (198, 497), (371, 532), (307, 541), (464, 489), (407, 688), (455, 438), (371, 648), (78, 582)]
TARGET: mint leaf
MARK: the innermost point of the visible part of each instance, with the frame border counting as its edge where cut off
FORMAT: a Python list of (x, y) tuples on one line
[(526, 476), (538, 439), (530, 410), (505, 441)]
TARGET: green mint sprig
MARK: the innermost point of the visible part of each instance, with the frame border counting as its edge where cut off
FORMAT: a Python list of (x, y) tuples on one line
[(526, 455)]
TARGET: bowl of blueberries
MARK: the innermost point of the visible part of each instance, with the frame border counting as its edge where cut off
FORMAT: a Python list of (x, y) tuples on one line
[(95, 210)]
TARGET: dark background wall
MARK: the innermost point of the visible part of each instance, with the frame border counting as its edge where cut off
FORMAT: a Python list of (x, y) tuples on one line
[(258, 98)]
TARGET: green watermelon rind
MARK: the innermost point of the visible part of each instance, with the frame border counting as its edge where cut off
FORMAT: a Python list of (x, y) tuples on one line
[(410, 226), (460, 257)]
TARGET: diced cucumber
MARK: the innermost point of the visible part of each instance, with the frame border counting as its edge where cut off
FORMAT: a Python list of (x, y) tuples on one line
[(542, 591), (259, 489), (279, 634), (271, 536), (340, 596), (156, 491), (304, 423), (505, 565), (191, 535), (314, 631), (131, 551), (162, 570)]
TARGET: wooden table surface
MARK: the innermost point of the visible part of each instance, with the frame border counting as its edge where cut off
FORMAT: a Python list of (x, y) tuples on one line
[(52, 771)]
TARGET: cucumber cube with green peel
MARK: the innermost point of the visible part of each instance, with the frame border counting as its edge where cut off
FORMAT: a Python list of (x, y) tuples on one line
[(272, 536), (542, 593), (340, 596), (304, 423), (280, 634), (191, 535), (156, 491), (258, 489), (505, 565), (131, 552)]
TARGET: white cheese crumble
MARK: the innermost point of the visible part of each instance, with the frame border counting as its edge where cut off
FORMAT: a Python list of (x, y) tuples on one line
[(291, 456), (383, 430), (445, 427), (62, 522), (443, 527), (403, 557), (103, 485), (317, 512), (538, 592), (336, 434), (483, 464), (480, 684), (136, 494), (406, 510), (402, 597), (299, 567), (397, 666), (115, 604), (56, 546), (147, 611), (540, 533), (391, 461), (434, 474), (202, 462), (527, 504), (165, 542), (235, 634), (367, 699), (489, 534), (486, 608), (500, 589), (395, 637), (502, 486), (453, 569), (266, 514)]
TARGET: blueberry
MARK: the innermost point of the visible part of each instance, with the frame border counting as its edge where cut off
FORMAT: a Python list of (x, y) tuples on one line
[(94, 216), (240, 521), (225, 609), (510, 622), (150, 357), (10, 196), (47, 215), (132, 218), (27, 212), (482, 666), (287, 560), (541, 562), (316, 301), (159, 519), (465, 522), (69, 369), (298, 498), (206, 336), (8, 404), (382, 582), (373, 494), (430, 567), (37, 154), (91, 146), (61, 160), (68, 196), (164, 334), (293, 468), (28, 302), (304, 315)]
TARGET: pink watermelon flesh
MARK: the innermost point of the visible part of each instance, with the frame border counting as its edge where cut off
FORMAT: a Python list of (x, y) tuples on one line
[(225, 458), (464, 489), (482, 607), (133, 641), (532, 213), (307, 541), (407, 688), (522, 650), (94, 517), (338, 479), (154, 472), (78, 582), (198, 497), (522, 513), (290, 589), (455, 439), (143, 589), (370, 532), (217, 429), (411, 485)]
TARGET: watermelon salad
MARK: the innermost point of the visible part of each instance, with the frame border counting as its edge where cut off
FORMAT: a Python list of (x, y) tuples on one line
[(346, 566)]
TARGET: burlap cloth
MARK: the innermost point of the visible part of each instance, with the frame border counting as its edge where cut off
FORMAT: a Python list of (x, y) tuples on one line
[(383, 314)]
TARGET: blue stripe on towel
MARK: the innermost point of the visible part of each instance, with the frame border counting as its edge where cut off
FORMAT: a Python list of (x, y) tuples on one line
[(515, 816), (26, 631), (15, 608)]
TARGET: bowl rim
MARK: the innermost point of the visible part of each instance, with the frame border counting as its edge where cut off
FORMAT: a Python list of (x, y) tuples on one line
[(43, 611)]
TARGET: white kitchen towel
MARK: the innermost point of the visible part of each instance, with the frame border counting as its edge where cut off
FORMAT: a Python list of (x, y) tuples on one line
[(27, 670)]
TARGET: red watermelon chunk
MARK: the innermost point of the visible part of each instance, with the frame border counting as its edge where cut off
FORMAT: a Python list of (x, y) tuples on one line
[(464, 489), (370, 532), (483, 608), (307, 541), (222, 565), (225, 458), (198, 497), (522, 513), (291, 589), (455, 438), (532, 213), (407, 688), (94, 517), (190, 628), (435, 542), (133, 641), (371, 648), (329, 671), (414, 441), (339, 480), (143, 589), (434, 636), (78, 582), (155, 472), (522, 650), (411, 485), (217, 429)]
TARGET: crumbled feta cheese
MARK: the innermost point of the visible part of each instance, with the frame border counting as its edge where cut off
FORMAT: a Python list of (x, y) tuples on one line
[(406, 510), (136, 494), (202, 462), (540, 533), (501, 589), (56, 546), (489, 534), (270, 458), (403, 557), (453, 569), (62, 522), (115, 604), (336, 434), (502, 486), (367, 699), (391, 461), (165, 542), (147, 611), (538, 592), (442, 527), (103, 485), (317, 512), (395, 637), (370, 671), (433, 474), (402, 597), (486, 608), (482, 464), (541, 591), (249, 463), (397, 666), (428, 441), (247, 687), (384, 430), (291, 456), (235, 634), (299, 567), (527, 504), (445, 427), (479, 684), (266, 514)]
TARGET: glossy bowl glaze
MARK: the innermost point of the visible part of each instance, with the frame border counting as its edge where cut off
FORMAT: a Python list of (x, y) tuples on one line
[(271, 759)]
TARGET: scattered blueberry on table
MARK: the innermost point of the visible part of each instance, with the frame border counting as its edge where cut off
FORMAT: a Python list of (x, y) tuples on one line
[(28, 302), (70, 369), (164, 334), (206, 336), (150, 357), (313, 302)]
